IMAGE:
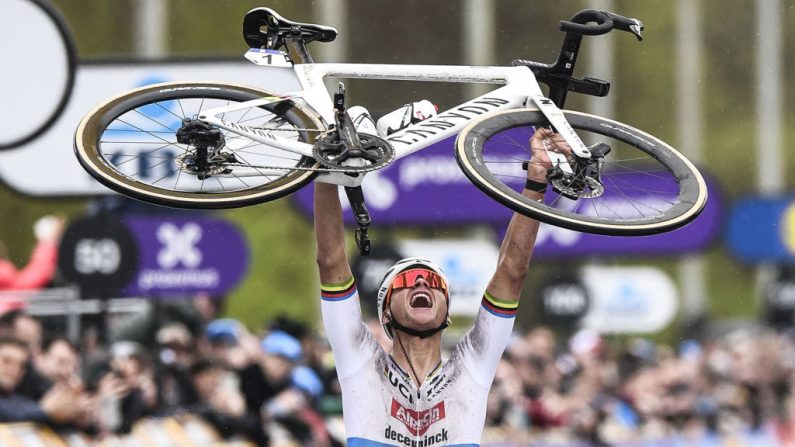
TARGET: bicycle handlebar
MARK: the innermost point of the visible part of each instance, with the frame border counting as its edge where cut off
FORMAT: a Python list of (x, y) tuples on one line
[(605, 22), (558, 76)]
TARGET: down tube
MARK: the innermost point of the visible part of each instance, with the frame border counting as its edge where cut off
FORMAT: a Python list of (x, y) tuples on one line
[(452, 121)]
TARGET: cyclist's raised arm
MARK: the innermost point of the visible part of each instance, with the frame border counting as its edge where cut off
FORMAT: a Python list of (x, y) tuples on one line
[(483, 346), (332, 261), (342, 315), (513, 263)]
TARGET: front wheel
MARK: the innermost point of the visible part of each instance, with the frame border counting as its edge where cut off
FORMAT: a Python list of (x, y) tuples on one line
[(649, 187), (132, 144)]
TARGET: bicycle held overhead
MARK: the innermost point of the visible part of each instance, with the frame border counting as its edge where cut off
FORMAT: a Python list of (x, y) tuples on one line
[(215, 145)]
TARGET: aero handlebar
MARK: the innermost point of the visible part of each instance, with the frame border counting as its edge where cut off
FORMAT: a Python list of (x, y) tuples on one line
[(604, 23)]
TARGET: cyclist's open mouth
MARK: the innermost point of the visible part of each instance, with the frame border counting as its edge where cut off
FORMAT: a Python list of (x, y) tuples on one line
[(421, 299)]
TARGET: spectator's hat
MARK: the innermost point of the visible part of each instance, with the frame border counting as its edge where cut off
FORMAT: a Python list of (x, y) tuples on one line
[(283, 344), (306, 379), (223, 330)]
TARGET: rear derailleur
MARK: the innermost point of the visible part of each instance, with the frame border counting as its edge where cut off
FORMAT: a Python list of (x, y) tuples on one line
[(205, 159)]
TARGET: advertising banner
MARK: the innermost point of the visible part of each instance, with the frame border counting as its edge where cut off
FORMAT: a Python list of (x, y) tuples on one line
[(429, 188), (182, 256), (763, 230), (47, 166), (153, 256), (629, 299)]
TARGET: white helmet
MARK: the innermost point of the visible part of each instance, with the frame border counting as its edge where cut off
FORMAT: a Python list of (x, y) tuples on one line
[(389, 278)]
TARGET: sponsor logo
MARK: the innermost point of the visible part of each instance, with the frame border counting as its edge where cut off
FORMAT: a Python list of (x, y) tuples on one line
[(263, 133), (439, 438), (447, 120), (417, 422), (179, 245), (178, 260), (438, 385), (399, 385)]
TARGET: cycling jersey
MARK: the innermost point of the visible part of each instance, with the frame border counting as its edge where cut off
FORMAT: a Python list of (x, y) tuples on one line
[(381, 404)]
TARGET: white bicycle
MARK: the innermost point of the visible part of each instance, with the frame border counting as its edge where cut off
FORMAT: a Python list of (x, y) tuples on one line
[(214, 145)]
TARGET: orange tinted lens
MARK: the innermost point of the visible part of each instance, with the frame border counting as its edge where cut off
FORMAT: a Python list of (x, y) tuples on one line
[(409, 277)]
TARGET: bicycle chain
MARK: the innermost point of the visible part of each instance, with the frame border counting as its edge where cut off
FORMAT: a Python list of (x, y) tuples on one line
[(349, 170)]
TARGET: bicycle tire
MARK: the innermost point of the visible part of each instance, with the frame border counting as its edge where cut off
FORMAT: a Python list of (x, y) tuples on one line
[(662, 192), (121, 124)]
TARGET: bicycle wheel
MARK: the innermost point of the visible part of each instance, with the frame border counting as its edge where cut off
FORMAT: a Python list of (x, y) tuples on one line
[(129, 144), (649, 187)]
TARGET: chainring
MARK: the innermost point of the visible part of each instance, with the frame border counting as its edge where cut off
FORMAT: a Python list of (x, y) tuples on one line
[(330, 152)]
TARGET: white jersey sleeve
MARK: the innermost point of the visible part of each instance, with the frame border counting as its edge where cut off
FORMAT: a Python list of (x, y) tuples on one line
[(482, 347), (352, 343)]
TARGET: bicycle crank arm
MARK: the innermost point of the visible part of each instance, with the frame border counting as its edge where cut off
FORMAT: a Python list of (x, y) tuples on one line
[(356, 199)]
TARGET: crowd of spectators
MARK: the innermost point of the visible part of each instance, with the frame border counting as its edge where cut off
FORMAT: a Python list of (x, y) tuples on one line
[(246, 386), (279, 384), (627, 390)]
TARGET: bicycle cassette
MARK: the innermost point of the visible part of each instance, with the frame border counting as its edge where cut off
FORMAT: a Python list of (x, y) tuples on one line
[(331, 152)]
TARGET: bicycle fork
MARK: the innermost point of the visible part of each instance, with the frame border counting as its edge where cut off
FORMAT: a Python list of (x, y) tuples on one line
[(576, 179)]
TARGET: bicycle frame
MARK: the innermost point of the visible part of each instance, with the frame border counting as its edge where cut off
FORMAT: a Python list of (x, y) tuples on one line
[(519, 89)]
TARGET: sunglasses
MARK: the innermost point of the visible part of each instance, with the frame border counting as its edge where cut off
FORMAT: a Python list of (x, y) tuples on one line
[(408, 278)]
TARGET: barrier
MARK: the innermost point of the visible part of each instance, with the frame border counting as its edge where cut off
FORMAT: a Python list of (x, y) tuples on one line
[(182, 431), (770, 435), (66, 302)]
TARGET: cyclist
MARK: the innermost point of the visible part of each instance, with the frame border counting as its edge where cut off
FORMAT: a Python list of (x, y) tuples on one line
[(411, 396)]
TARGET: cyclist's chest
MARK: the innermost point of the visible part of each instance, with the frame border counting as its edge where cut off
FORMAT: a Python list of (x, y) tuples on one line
[(444, 400), (382, 404)]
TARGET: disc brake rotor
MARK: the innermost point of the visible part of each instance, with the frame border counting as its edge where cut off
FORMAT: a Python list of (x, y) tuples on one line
[(585, 188)]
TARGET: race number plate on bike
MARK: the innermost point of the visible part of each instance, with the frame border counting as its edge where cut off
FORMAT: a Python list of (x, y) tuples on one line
[(270, 58)]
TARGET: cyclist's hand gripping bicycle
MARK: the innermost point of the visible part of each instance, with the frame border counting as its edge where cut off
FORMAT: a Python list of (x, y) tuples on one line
[(214, 145)]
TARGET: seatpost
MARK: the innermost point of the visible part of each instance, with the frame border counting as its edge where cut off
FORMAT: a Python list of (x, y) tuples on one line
[(296, 48)]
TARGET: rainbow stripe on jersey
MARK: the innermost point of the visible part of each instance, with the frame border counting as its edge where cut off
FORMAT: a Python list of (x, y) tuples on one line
[(338, 292), (498, 307)]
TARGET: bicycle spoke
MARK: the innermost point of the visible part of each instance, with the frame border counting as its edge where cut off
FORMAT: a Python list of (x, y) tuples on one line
[(219, 183), (146, 132), (153, 120), (256, 169), (184, 115), (152, 167), (201, 104), (169, 111), (637, 188)]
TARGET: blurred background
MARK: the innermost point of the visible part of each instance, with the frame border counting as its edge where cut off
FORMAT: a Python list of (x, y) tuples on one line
[(600, 315)]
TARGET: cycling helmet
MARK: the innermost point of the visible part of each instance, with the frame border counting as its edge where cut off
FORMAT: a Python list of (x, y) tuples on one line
[(386, 287)]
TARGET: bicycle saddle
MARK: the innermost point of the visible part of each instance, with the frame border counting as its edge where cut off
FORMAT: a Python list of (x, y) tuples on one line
[(264, 28)]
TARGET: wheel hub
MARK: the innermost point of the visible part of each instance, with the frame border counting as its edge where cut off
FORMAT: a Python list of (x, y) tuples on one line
[(203, 157)]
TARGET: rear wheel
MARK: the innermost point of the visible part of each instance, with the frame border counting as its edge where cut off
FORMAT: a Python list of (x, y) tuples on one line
[(649, 187), (130, 144)]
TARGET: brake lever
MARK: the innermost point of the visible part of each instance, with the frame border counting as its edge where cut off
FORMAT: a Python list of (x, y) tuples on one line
[(627, 24)]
